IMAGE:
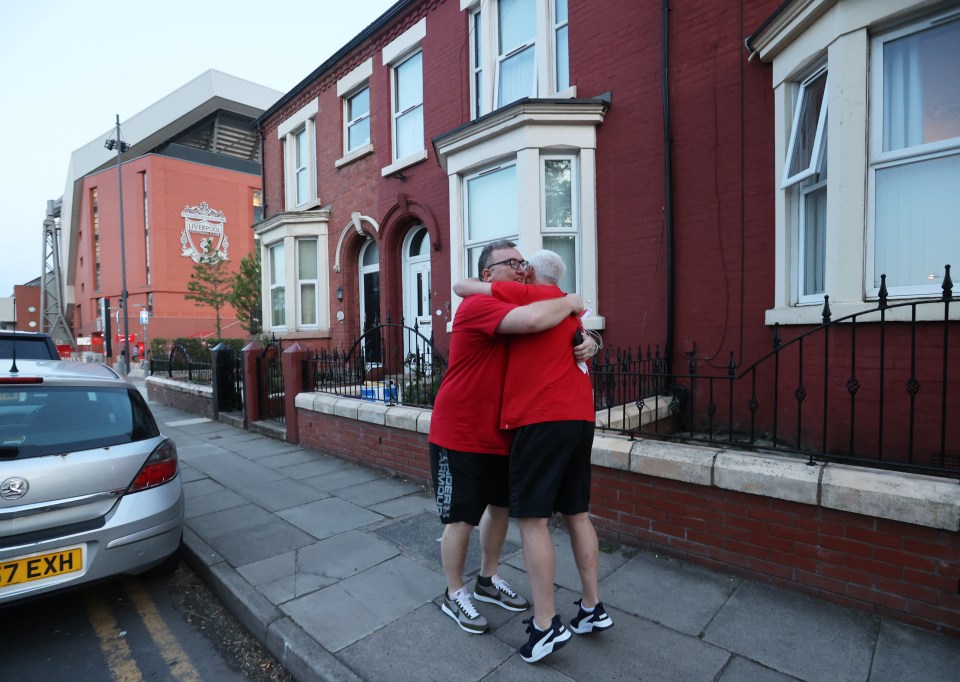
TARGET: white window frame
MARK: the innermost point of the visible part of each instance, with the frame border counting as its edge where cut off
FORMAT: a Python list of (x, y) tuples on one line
[(395, 54), (288, 229), (397, 114), (314, 282), (467, 263), (805, 32), (523, 134), (562, 231), (484, 58), (277, 282), (880, 160), (303, 121), (350, 86), (793, 146)]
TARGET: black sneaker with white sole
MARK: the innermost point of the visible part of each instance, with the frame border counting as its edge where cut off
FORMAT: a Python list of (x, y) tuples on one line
[(543, 642), (462, 610), (585, 623)]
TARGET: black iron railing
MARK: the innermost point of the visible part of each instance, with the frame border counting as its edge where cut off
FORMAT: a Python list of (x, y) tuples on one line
[(872, 388), (405, 369), (271, 391), (180, 366)]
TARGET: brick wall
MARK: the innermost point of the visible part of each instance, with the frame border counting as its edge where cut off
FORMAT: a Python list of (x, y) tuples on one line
[(889, 568), (187, 397), (389, 449)]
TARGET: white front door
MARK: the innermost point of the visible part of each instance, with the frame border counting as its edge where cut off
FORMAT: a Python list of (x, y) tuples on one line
[(417, 285)]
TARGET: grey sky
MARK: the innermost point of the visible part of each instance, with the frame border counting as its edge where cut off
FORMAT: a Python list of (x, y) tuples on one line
[(69, 67)]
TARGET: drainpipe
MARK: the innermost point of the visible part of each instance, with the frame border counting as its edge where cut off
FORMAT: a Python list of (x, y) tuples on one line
[(667, 177)]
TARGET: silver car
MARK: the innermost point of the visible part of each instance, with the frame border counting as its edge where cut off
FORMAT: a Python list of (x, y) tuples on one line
[(89, 487)]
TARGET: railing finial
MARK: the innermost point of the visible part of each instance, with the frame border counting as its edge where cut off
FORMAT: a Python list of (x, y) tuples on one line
[(947, 284), (883, 292), (731, 366), (826, 309), (776, 335)]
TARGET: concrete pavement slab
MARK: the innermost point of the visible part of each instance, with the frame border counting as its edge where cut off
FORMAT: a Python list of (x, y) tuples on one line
[(515, 669), (202, 486), (339, 615), (282, 494), (342, 478), (408, 505), (741, 669), (317, 466), (285, 459), (425, 645), (303, 657), (329, 517), (378, 490), (767, 625), (680, 596), (905, 652), (201, 505), (189, 473), (260, 542), (235, 471), (420, 534)]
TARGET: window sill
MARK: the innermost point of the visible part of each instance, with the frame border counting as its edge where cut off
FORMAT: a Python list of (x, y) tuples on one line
[(313, 203), (351, 156), (400, 164)]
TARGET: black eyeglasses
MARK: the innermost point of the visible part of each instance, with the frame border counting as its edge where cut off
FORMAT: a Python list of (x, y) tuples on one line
[(511, 263)]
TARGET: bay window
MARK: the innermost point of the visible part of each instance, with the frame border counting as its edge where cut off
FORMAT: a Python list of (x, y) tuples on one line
[(307, 282)]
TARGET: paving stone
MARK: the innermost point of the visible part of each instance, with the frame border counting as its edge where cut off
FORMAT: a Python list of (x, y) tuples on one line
[(764, 624), (336, 480), (329, 517), (282, 494), (379, 490), (235, 471), (679, 595), (373, 599), (200, 505), (905, 653)]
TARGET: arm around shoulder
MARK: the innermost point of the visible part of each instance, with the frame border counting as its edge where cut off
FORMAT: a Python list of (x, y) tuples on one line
[(536, 317)]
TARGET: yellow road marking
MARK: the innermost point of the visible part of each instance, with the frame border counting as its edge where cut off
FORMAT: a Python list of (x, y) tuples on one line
[(119, 660), (170, 648)]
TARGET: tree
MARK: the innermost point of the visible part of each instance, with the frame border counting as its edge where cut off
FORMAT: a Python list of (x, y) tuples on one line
[(245, 297), (210, 284)]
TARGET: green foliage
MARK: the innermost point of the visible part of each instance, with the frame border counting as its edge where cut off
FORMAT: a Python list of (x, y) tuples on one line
[(210, 284), (245, 296)]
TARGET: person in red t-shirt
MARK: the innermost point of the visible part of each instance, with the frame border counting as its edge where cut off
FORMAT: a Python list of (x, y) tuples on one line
[(468, 450), (548, 405)]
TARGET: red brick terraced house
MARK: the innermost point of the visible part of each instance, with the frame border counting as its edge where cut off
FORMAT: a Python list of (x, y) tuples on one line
[(756, 198)]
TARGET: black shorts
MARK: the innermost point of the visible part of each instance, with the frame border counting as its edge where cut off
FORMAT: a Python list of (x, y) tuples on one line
[(550, 469), (466, 482)]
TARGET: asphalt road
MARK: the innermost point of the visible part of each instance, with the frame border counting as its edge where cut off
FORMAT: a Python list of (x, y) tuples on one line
[(132, 629)]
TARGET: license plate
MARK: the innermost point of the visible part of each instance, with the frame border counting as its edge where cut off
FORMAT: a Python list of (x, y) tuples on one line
[(41, 566)]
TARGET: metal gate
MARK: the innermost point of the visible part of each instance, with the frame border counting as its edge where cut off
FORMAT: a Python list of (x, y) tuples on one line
[(270, 380)]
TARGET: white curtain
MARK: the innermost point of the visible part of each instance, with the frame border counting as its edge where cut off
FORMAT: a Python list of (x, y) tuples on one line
[(902, 93)]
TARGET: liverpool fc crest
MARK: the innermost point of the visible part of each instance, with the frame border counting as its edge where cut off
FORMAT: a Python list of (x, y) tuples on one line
[(203, 234)]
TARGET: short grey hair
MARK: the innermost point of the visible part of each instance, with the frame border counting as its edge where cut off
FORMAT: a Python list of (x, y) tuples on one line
[(547, 266)]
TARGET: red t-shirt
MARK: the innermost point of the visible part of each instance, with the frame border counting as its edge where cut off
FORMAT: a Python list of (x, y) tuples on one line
[(466, 412), (543, 382)]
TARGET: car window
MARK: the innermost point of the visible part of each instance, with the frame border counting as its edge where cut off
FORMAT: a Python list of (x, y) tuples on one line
[(27, 349), (45, 420)]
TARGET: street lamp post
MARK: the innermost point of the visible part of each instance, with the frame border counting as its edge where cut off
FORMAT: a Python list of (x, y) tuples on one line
[(121, 147)]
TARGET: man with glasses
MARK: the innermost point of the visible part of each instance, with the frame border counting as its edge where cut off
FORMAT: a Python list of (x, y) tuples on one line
[(468, 450), (548, 407)]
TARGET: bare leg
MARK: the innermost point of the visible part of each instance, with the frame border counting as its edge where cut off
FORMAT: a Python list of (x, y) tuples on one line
[(453, 553), (541, 564), (493, 533), (586, 551)]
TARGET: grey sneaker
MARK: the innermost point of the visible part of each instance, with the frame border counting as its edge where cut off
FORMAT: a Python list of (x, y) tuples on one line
[(501, 594), (462, 610)]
